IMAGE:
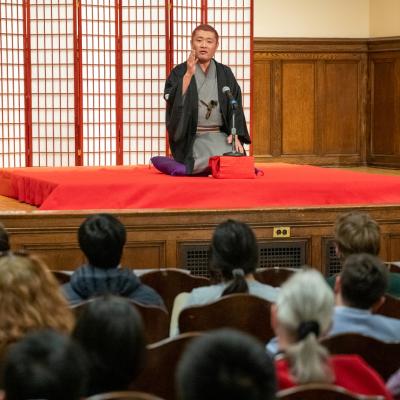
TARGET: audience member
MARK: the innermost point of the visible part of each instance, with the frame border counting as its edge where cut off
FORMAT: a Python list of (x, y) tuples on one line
[(102, 238), (44, 365), (111, 332), (30, 299), (360, 290), (302, 314), (393, 385), (226, 364), (357, 232), (234, 256), (4, 239)]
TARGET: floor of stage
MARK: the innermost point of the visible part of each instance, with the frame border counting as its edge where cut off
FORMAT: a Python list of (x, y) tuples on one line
[(11, 205)]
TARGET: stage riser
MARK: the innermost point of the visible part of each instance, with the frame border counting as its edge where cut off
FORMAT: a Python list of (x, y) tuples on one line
[(166, 239)]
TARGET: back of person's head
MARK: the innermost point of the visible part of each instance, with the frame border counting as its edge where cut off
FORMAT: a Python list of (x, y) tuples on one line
[(44, 365), (363, 281), (226, 364), (111, 332), (4, 239), (304, 311), (356, 232), (234, 253), (30, 298), (206, 28), (102, 238)]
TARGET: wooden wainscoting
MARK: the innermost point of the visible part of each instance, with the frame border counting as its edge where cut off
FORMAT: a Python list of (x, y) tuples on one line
[(384, 82), (327, 101), (180, 239), (310, 101)]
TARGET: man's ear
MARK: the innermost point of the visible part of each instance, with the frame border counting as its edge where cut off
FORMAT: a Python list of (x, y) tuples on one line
[(378, 304)]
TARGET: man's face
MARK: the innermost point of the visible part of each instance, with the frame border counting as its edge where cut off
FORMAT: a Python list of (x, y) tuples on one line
[(204, 43)]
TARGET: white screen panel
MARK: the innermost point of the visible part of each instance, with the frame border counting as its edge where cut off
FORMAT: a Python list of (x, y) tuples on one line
[(52, 82)]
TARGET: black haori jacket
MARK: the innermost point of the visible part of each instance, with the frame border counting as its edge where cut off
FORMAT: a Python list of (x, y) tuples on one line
[(181, 134)]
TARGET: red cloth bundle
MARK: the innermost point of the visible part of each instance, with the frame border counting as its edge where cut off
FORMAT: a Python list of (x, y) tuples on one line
[(228, 167)]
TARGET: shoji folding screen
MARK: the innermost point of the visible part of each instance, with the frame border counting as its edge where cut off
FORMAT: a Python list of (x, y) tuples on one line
[(82, 80)]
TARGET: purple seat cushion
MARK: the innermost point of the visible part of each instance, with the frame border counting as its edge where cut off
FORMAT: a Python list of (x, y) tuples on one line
[(169, 166)]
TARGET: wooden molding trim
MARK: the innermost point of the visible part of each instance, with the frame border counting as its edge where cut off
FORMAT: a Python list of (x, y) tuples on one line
[(310, 45), (316, 45), (384, 44)]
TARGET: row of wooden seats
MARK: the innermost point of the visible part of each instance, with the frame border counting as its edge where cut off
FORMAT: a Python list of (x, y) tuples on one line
[(241, 311), (303, 392), (163, 357), (170, 282), (158, 376), (214, 315)]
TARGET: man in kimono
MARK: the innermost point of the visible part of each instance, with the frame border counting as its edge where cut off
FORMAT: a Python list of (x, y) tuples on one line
[(199, 114)]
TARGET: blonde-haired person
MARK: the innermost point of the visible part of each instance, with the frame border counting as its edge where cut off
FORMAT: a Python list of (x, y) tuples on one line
[(303, 313), (30, 299)]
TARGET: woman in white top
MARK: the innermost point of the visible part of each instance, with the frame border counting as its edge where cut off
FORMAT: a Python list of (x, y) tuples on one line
[(233, 257)]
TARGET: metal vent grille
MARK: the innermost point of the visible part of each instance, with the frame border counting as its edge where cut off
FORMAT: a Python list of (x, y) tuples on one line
[(194, 257), (332, 264), (284, 254)]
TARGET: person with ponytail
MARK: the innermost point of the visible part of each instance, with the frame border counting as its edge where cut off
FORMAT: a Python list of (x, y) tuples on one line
[(302, 314), (233, 259)]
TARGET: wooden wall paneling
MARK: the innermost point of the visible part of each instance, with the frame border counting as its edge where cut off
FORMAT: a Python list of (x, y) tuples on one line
[(341, 108), (392, 247), (298, 107), (154, 237), (384, 92), (262, 100), (383, 106), (64, 256), (319, 113), (276, 133), (143, 255)]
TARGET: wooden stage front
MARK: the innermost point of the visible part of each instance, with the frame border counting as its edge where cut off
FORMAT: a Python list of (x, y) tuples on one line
[(163, 238)]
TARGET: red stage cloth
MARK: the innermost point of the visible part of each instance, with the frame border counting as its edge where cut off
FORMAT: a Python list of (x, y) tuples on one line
[(78, 188)]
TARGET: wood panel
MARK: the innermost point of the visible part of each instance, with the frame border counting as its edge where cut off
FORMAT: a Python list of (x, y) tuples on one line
[(341, 131), (318, 100), (145, 255), (298, 111), (155, 238), (384, 140), (262, 99), (392, 249), (384, 107), (332, 102)]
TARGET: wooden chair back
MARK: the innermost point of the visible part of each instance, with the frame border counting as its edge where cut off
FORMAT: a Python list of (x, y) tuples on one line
[(383, 357), (158, 376), (393, 266), (168, 283), (61, 276), (155, 319), (274, 276), (318, 391), (123, 395), (242, 311), (390, 308)]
